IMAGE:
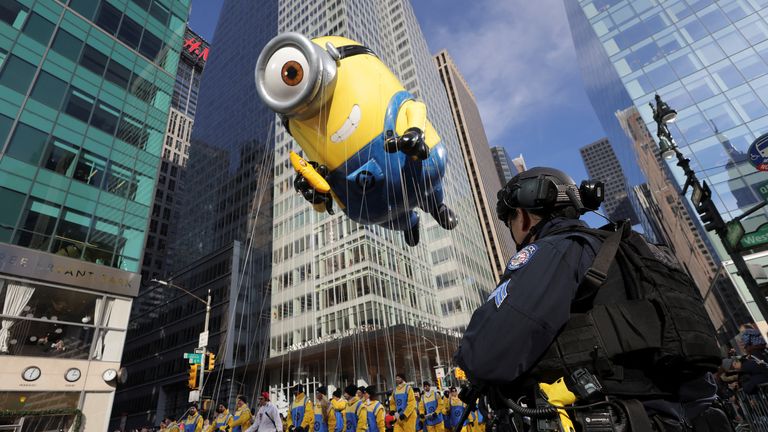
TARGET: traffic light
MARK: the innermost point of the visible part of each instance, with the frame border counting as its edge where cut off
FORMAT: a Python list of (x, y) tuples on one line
[(192, 382), (710, 217), (211, 361), (459, 374)]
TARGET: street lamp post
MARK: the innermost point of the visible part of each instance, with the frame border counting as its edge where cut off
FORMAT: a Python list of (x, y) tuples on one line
[(730, 233), (207, 304)]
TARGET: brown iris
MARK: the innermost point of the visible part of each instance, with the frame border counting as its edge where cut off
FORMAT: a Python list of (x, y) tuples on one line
[(292, 73)]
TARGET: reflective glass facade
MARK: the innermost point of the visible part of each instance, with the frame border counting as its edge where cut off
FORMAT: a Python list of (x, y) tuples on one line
[(85, 87), (707, 59)]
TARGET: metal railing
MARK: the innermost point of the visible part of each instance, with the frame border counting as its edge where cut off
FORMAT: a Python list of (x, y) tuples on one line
[(752, 410)]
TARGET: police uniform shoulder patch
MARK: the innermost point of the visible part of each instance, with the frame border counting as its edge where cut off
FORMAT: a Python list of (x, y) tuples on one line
[(521, 258)]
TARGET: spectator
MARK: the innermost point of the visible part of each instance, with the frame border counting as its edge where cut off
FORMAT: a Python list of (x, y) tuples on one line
[(753, 341)]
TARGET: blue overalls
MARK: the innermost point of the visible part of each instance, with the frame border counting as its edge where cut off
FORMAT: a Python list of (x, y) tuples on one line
[(383, 188), (401, 400), (320, 425), (221, 425), (457, 410), (431, 406), (297, 413), (339, 420), (191, 426), (236, 417), (373, 426), (352, 418)]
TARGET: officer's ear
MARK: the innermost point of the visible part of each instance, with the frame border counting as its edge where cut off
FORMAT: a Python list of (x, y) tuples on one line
[(526, 219)]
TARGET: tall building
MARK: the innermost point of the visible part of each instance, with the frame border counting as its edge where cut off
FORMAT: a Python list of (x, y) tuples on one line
[(505, 166), (166, 205), (478, 161), (354, 302), (601, 164), (708, 61), (677, 229), (225, 246), (85, 89)]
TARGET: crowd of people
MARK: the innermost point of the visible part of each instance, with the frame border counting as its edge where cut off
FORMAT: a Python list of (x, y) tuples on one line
[(405, 408), (364, 409)]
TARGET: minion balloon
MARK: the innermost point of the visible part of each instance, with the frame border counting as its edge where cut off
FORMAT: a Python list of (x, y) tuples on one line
[(368, 141)]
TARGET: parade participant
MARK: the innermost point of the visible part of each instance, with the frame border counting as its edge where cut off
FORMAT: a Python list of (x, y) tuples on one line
[(223, 420), (419, 417), (354, 405), (336, 415), (321, 409), (169, 425), (267, 417), (455, 410), (194, 421), (375, 410), (241, 420), (403, 405), (431, 407), (301, 416), (610, 313)]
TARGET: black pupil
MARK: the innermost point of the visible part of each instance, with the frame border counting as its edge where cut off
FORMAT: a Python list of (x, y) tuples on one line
[(291, 72)]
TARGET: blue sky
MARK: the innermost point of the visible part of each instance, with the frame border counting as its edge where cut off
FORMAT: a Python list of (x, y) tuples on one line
[(518, 59)]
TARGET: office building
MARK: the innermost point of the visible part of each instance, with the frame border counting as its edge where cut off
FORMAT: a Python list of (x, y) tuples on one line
[(478, 161), (336, 283), (158, 258), (708, 61), (225, 243), (505, 166), (601, 164), (85, 89)]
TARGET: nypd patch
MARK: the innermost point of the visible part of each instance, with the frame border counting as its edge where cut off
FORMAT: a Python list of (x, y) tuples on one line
[(522, 257)]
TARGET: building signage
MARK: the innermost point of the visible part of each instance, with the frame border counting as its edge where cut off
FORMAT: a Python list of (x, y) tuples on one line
[(758, 153), (195, 48), (29, 263)]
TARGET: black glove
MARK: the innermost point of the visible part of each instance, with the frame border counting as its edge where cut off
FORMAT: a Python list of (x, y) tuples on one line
[(291, 428), (411, 138), (402, 416), (392, 413), (433, 416)]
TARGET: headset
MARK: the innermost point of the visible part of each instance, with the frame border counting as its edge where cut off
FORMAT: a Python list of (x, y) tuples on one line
[(540, 191)]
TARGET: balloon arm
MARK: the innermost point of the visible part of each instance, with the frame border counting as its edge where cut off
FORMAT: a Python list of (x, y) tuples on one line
[(310, 173), (416, 115)]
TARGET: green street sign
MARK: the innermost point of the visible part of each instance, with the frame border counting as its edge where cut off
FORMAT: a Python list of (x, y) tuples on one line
[(734, 233), (755, 238), (194, 358), (763, 189)]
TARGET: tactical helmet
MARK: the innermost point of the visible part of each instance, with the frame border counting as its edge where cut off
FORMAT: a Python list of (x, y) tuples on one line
[(540, 189)]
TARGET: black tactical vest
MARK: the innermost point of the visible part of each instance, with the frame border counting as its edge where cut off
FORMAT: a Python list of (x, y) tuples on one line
[(638, 321)]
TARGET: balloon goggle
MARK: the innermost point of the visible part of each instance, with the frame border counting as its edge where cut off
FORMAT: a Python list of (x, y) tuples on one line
[(295, 76)]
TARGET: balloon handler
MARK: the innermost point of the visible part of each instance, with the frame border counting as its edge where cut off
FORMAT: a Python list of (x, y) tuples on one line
[(368, 142)]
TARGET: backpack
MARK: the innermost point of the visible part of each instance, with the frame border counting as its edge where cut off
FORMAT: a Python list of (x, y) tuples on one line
[(638, 320)]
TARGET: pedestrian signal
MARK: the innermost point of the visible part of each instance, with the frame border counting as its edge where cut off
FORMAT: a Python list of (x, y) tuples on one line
[(459, 374), (211, 361), (192, 382)]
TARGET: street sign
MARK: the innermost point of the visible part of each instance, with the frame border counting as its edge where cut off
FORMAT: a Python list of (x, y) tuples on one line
[(758, 153), (203, 339), (763, 189), (194, 358), (734, 233), (199, 350), (194, 395), (755, 238), (440, 373)]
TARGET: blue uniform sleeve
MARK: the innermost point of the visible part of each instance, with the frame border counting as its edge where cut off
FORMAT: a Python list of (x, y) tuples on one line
[(521, 318)]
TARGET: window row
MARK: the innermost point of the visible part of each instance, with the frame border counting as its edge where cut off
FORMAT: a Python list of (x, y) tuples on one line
[(71, 232), (100, 64), (114, 22)]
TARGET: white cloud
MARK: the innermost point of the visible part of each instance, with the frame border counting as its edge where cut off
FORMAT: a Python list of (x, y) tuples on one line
[(517, 57)]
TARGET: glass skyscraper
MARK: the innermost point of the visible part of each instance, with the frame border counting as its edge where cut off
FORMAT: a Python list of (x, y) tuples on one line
[(707, 59), (85, 88)]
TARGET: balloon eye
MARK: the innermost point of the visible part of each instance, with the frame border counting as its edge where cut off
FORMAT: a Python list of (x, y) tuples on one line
[(292, 73)]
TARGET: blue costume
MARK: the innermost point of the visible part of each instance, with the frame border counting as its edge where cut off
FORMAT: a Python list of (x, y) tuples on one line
[(383, 188), (372, 424)]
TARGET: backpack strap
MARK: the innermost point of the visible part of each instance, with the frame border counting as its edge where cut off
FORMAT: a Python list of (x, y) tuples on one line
[(598, 272)]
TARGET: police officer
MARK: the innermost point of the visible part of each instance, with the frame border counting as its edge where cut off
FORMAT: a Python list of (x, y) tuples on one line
[(508, 343)]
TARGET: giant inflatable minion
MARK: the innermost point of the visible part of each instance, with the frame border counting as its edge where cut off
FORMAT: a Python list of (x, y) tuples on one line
[(368, 141)]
